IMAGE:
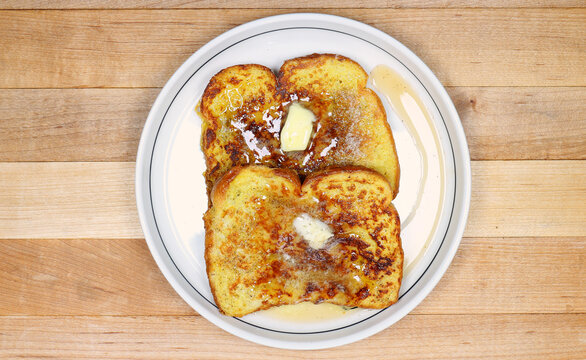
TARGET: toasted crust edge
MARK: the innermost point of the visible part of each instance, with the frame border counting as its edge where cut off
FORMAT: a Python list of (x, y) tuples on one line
[(210, 93), (317, 175), (317, 56), (221, 186), (397, 178)]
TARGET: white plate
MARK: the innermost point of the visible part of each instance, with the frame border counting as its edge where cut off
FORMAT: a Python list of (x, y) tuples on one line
[(170, 188)]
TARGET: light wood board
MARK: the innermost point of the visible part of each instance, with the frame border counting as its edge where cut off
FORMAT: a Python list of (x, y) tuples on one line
[(327, 4), (76, 85), (119, 277), (185, 337)]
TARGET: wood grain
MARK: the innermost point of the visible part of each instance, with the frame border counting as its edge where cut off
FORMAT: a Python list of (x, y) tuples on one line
[(72, 124), (533, 123), (84, 277), (188, 337), (527, 198), (142, 48), (119, 277), (335, 4), (96, 200), (501, 123), (68, 200), (78, 281)]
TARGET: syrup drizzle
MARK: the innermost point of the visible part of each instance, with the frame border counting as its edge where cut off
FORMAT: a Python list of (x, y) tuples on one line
[(410, 109)]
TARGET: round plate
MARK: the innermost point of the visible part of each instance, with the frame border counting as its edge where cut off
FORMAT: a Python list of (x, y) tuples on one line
[(433, 198)]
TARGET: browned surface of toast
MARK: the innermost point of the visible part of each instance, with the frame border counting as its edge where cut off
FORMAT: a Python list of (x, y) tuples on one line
[(244, 108), (241, 114), (256, 260)]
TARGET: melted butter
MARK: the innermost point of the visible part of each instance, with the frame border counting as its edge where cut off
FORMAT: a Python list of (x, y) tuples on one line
[(312, 230), (298, 127), (252, 141), (410, 109), (308, 312)]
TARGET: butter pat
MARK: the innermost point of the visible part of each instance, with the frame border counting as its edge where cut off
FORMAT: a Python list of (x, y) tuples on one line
[(314, 231), (297, 130)]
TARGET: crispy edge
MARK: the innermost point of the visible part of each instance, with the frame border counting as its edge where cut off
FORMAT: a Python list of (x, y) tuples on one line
[(387, 126), (214, 85), (221, 186), (334, 170), (306, 61)]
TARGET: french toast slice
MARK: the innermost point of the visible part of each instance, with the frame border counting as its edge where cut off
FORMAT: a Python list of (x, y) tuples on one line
[(241, 112), (353, 127), (244, 108), (256, 257)]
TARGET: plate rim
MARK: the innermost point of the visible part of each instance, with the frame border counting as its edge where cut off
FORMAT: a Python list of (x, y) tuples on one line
[(319, 20)]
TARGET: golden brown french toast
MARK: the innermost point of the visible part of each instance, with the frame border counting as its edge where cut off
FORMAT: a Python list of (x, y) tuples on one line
[(241, 116), (245, 107), (271, 241)]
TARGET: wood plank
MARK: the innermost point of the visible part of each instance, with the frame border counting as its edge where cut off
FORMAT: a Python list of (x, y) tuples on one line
[(501, 123), (119, 277), (68, 200), (259, 4), (414, 337), (513, 275), (84, 277), (72, 124), (142, 48), (528, 198), (96, 200), (531, 123)]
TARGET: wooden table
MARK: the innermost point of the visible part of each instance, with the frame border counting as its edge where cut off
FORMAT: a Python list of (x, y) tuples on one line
[(77, 81)]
